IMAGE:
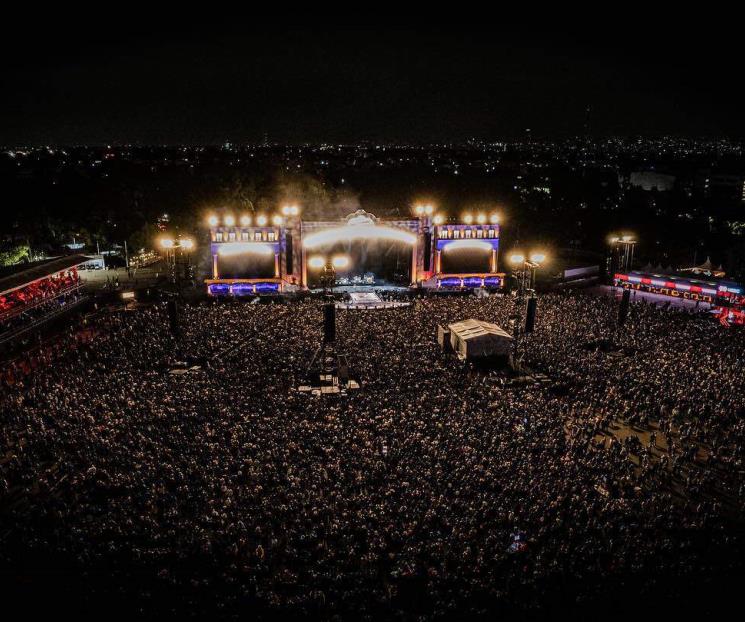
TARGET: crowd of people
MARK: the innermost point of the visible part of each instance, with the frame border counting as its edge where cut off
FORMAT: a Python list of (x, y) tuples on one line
[(436, 491), (20, 300)]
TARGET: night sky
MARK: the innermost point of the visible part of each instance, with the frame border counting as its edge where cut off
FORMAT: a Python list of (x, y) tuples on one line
[(132, 79)]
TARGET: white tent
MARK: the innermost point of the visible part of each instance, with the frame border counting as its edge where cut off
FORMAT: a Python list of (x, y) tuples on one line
[(476, 339)]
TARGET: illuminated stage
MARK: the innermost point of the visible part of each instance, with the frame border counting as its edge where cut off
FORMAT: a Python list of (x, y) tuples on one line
[(288, 254)]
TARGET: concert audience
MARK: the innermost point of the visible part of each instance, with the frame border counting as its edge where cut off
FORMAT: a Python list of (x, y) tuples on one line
[(437, 490)]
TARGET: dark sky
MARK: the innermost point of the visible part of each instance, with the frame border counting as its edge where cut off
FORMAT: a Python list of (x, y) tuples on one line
[(160, 80)]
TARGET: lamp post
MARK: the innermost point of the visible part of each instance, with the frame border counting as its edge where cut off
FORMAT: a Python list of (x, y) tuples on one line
[(622, 257), (184, 246)]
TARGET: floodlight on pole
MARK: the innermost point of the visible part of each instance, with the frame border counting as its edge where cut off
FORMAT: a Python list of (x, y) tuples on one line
[(340, 261), (517, 258), (537, 258)]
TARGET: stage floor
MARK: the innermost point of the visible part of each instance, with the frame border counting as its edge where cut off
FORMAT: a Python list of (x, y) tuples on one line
[(368, 300)]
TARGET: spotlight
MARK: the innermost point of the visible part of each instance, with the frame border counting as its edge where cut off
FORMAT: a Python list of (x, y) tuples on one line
[(439, 219), (229, 220), (481, 219), (187, 243), (213, 221), (467, 218), (419, 210), (429, 209), (340, 261), (537, 257), (167, 243), (245, 220), (494, 219), (277, 220), (316, 261), (517, 258), (261, 220)]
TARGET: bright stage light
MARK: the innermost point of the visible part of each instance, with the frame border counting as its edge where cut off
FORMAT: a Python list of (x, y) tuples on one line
[(358, 232), (628, 238), (261, 220), (481, 219), (439, 219), (290, 210), (277, 220), (316, 262), (467, 218), (340, 261), (187, 243), (229, 220), (537, 257), (429, 209), (245, 220), (419, 210), (517, 258), (474, 244), (230, 249), (494, 219), (213, 221), (167, 243)]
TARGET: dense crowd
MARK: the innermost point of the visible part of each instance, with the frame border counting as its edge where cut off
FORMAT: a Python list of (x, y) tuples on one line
[(19, 300), (435, 491)]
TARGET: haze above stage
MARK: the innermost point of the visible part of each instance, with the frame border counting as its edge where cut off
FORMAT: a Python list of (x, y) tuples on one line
[(250, 259)]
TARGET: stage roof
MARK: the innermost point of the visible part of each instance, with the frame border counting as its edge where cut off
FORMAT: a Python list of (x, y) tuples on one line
[(19, 275)]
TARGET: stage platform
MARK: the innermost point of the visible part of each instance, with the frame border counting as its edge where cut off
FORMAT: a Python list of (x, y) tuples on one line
[(363, 300)]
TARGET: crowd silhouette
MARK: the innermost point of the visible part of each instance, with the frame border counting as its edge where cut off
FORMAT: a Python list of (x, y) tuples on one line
[(435, 491)]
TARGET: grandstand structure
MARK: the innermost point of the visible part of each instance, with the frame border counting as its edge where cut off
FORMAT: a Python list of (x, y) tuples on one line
[(33, 293)]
